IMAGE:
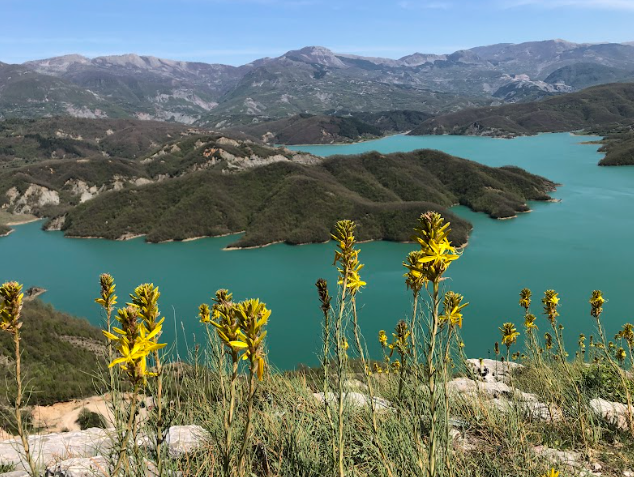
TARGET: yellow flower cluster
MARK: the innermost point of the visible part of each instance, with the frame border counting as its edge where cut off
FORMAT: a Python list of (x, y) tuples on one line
[(596, 303), (107, 298), (529, 322), (399, 342), (240, 326), (525, 298), (347, 257), (436, 253), (551, 301), (134, 343), (627, 334), (509, 334), (452, 309), (382, 338), (11, 307), (415, 278)]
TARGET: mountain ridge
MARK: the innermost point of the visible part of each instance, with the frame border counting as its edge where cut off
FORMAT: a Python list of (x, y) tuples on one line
[(314, 80)]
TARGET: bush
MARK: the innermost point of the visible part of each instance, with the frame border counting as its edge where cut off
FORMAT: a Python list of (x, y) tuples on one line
[(88, 419)]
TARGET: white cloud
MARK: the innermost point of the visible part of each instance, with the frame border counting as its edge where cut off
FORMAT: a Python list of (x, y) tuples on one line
[(591, 4)]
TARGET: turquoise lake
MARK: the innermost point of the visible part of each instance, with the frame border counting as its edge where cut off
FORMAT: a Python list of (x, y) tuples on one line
[(575, 246)]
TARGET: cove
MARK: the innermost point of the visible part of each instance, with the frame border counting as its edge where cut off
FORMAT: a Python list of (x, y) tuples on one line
[(574, 246)]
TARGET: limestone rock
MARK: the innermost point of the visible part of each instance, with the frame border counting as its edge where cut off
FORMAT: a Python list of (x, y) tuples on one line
[(184, 439), (79, 467), (355, 399), (50, 448), (570, 459), (491, 370), (16, 473), (614, 412), (506, 398)]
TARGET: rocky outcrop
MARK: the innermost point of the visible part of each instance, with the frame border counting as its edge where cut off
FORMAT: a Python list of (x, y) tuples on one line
[(355, 400), (80, 467), (505, 398), (491, 370), (613, 412), (33, 197), (56, 223), (33, 292), (76, 454), (48, 449)]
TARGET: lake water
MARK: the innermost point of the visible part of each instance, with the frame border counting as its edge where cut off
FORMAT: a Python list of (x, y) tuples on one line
[(575, 246)]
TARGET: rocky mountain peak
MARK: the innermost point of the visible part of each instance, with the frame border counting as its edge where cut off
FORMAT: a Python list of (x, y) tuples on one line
[(57, 64), (418, 59), (315, 55)]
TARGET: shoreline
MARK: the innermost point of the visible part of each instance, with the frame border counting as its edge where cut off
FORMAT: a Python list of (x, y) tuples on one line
[(363, 141), (22, 222)]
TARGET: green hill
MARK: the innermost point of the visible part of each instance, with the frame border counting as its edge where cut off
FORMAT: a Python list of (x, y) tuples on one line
[(57, 345), (600, 107), (311, 129), (296, 203)]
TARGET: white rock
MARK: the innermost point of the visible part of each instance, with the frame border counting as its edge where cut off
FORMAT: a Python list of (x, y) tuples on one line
[(492, 370), (16, 473), (50, 448), (79, 467), (614, 412), (355, 399), (491, 389), (184, 439)]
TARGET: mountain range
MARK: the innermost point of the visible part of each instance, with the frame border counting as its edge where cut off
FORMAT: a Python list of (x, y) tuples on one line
[(313, 80)]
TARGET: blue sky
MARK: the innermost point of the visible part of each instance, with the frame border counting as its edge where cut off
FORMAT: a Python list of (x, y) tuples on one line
[(239, 31)]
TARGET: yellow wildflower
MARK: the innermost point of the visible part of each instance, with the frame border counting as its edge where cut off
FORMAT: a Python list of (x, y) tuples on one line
[(452, 309), (596, 303), (525, 298), (347, 257), (509, 334)]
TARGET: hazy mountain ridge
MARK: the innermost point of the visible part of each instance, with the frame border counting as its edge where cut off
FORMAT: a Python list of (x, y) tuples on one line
[(309, 80)]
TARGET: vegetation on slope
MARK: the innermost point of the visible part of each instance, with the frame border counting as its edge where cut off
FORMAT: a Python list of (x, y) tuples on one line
[(618, 148), (294, 203), (603, 107), (311, 129), (58, 345), (338, 127)]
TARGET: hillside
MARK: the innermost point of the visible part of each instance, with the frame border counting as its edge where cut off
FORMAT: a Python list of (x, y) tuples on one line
[(296, 203), (600, 107), (57, 345), (335, 128), (618, 148), (313, 80), (310, 129), (49, 166)]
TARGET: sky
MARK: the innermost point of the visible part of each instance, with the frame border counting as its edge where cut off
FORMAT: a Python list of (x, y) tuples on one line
[(239, 31)]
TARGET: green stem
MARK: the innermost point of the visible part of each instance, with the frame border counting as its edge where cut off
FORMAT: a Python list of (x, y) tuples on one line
[(375, 428), (431, 383), (247, 428), (18, 405), (129, 429)]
